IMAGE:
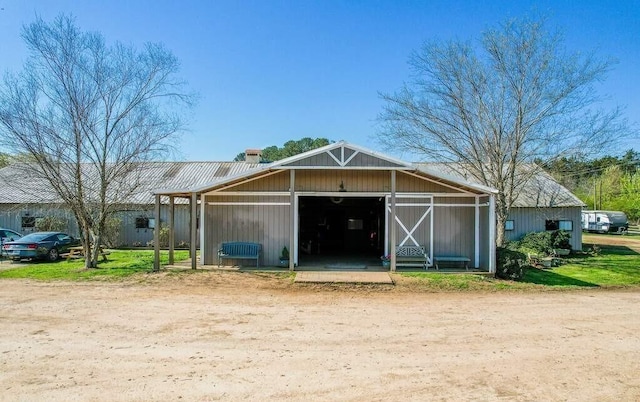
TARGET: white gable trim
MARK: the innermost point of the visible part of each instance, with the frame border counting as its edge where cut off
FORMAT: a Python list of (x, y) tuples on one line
[(340, 162)]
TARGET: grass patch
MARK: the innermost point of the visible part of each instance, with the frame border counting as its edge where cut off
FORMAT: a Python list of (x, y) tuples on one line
[(121, 263), (615, 266)]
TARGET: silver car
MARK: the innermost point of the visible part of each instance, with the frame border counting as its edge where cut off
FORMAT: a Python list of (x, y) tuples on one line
[(7, 235)]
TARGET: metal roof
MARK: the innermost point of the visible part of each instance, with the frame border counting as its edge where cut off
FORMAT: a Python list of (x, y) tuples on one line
[(540, 190), (181, 177), (17, 187)]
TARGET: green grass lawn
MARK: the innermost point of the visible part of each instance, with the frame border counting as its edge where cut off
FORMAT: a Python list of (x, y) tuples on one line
[(121, 263), (614, 266)]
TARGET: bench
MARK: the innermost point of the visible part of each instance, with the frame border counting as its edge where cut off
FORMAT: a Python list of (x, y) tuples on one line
[(412, 256), (239, 251), (453, 260)]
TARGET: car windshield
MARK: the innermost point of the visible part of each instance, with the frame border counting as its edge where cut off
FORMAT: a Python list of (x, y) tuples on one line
[(35, 237)]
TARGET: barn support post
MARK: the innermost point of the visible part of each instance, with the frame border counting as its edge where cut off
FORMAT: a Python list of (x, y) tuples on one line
[(293, 212), (156, 236), (393, 221), (203, 221), (194, 229), (492, 234), (476, 234), (172, 228)]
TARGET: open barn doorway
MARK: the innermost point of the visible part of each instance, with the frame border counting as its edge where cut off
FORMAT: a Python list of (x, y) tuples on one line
[(341, 232)]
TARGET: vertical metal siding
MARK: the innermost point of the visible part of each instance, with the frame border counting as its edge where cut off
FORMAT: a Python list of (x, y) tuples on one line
[(454, 231), (528, 220), (268, 225)]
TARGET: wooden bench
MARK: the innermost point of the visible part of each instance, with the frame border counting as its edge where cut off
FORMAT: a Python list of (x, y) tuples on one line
[(239, 251), (412, 256), (454, 259)]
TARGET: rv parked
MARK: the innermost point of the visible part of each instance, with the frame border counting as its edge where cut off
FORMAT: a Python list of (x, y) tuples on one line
[(605, 221)]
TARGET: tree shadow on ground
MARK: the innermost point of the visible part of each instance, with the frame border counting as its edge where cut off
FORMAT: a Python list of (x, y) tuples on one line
[(550, 278)]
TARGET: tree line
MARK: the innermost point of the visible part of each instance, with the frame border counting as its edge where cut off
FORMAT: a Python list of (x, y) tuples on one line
[(608, 182)]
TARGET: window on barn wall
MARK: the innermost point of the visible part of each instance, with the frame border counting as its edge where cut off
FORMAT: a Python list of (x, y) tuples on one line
[(142, 222), (508, 225), (556, 224), (565, 225), (28, 222)]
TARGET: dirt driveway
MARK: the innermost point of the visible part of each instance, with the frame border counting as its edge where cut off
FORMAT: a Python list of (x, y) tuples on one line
[(231, 336)]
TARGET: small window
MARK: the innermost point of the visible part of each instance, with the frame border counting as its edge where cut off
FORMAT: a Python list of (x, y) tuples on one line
[(565, 225), (508, 225), (28, 221), (551, 225), (142, 222), (355, 224), (557, 224)]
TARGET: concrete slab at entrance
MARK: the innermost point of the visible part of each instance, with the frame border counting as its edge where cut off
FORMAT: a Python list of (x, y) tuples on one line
[(343, 277)]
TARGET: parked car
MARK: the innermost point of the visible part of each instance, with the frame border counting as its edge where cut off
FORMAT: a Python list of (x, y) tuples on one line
[(7, 235), (40, 245)]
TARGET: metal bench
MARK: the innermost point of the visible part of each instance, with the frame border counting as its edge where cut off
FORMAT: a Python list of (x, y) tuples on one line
[(412, 256), (454, 260), (239, 251)]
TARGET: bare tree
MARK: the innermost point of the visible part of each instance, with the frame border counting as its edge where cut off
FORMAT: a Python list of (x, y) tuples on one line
[(87, 114), (493, 108)]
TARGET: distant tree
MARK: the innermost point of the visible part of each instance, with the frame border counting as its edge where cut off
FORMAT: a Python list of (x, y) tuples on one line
[(4, 160), (607, 182), (495, 107), (290, 148), (86, 114)]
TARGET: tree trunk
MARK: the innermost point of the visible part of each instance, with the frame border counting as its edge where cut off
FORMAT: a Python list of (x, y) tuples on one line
[(95, 253), (500, 234)]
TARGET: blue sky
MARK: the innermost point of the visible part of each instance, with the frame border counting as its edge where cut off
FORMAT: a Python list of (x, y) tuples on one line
[(270, 71)]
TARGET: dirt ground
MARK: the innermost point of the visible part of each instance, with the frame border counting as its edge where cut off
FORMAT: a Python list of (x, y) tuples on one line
[(232, 336)]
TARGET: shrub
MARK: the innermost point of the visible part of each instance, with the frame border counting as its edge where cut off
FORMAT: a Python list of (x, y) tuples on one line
[(545, 242), (511, 264), (163, 236), (284, 254), (111, 231), (560, 239), (51, 224)]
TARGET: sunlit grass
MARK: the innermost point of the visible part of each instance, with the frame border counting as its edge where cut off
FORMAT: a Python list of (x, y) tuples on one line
[(614, 266), (121, 263)]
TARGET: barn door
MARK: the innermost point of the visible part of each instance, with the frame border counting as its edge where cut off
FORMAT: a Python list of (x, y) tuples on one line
[(414, 222)]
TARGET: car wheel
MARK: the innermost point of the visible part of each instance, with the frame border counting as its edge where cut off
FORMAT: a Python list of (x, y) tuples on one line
[(53, 254)]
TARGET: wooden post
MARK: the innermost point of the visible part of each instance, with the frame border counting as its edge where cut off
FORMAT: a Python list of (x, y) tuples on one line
[(172, 228), (476, 234), (293, 217), (194, 229), (393, 221), (156, 236), (492, 233)]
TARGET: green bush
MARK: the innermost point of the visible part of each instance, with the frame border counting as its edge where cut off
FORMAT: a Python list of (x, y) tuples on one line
[(51, 224), (163, 236), (560, 239), (544, 242), (511, 264), (111, 232)]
